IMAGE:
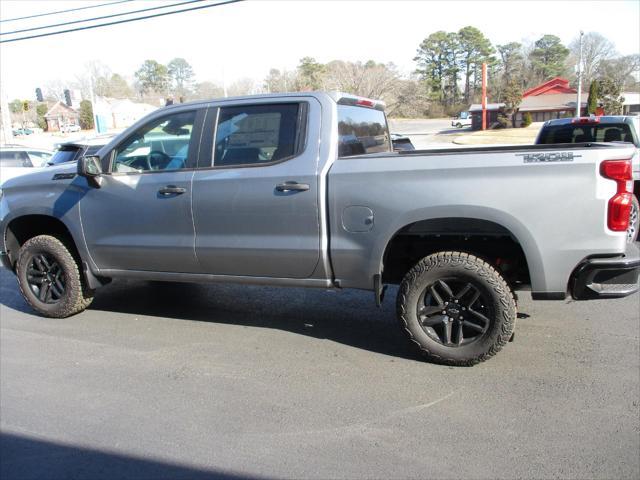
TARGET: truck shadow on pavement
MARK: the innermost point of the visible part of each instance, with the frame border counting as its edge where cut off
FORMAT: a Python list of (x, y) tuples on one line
[(31, 458), (349, 317)]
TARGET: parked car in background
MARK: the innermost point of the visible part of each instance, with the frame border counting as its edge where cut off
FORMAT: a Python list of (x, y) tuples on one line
[(17, 132), (463, 119), (69, 128), (72, 151), (609, 128), (17, 159), (401, 142)]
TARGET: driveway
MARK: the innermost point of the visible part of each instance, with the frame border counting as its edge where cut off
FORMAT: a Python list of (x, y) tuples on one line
[(219, 381), (428, 133)]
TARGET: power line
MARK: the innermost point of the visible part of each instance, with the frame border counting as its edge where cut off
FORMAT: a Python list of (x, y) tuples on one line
[(65, 11), (120, 21), (100, 18)]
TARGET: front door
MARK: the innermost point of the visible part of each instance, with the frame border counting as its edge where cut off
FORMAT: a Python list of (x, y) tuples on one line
[(255, 203), (140, 218)]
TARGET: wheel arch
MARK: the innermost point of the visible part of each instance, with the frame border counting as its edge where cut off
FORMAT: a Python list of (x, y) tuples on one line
[(21, 228), (457, 231)]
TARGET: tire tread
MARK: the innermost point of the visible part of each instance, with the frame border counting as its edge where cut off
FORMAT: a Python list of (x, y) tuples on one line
[(80, 296), (484, 270)]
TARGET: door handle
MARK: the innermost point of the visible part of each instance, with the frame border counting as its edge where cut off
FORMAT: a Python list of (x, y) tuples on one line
[(172, 190), (292, 187)]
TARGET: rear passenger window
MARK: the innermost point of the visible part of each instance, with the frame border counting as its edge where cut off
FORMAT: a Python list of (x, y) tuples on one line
[(15, 159), (257, 134), (361, 130)]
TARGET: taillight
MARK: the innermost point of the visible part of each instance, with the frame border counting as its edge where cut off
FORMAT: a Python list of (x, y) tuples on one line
[(619, 207), (365, 103), (586, 120)]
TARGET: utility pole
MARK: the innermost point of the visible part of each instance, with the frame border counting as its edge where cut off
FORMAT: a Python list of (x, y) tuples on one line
[(484, 96), (93, 105), (579, 98), (7, 135), (224, 83)]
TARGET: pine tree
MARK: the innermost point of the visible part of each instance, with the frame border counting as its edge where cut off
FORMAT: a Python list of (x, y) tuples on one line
[(592, 102), (86, 115)]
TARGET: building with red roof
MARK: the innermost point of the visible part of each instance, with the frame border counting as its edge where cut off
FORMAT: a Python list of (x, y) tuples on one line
[(551, 99)]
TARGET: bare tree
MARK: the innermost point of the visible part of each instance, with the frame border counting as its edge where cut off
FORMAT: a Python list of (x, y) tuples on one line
[(207, 90), (595, 50), (54, 90), (625, 70), (280, 81), (370, 79), (242, 86)]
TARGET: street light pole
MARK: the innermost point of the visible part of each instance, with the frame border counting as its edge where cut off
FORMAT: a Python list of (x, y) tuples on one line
[(579, 98)]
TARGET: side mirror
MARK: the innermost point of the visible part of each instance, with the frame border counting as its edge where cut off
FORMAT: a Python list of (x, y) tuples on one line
[(90, 167)]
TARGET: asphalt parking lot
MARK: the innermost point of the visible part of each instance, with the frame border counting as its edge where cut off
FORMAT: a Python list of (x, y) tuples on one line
[(219, 381)]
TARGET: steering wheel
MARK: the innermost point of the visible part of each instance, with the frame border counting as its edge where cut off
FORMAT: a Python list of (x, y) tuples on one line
[(157, 160)]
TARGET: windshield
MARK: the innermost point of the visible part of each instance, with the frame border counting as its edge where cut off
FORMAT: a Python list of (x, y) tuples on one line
[(64, 154), (39, 158), (587, 133)]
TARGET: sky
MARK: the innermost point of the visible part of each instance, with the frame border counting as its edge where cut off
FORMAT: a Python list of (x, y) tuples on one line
[(246, 39)]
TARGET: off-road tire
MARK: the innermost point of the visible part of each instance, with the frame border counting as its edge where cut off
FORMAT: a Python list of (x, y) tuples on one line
[(467, 268), (76, 295)]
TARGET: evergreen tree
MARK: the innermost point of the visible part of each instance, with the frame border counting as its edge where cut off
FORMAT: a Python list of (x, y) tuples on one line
[(473, 50), (41, 110), (437, 65), (152, 77), (181, 74), (592, 102), (548, 57), (86, 115), (609, 91), (310, 74)]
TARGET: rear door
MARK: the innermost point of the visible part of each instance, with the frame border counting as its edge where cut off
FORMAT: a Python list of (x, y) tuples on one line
[(255, 196)]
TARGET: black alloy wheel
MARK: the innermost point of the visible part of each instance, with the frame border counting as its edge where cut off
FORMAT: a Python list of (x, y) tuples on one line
[(456, 308), (453, 313), (46, 278)]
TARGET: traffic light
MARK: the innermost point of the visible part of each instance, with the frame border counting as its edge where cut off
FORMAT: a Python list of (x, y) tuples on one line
[(25, 105), (67, 97), (39, 95)]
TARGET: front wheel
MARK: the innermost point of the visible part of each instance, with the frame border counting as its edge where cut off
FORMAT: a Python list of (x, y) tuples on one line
[(458, 125), (456, 308), (49, 278)]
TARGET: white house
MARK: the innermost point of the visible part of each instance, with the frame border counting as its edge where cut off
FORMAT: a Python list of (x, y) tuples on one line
[(118, 113)]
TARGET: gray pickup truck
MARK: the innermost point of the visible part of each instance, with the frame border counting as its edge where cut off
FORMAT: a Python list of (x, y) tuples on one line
[(305, 190)]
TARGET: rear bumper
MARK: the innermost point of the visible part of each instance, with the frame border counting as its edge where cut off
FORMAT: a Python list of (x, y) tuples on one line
[(611, 277)]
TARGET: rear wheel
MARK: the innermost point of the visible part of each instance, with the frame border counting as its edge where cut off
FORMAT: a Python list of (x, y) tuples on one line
[(49, 278), (456, 308)]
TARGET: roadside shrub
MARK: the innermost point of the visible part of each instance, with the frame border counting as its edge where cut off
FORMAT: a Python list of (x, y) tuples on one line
[(436, 111), (503, 122), (526, 119), (41, 110)]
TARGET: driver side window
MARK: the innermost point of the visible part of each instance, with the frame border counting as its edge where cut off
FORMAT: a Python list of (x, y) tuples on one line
[(158, 146)]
